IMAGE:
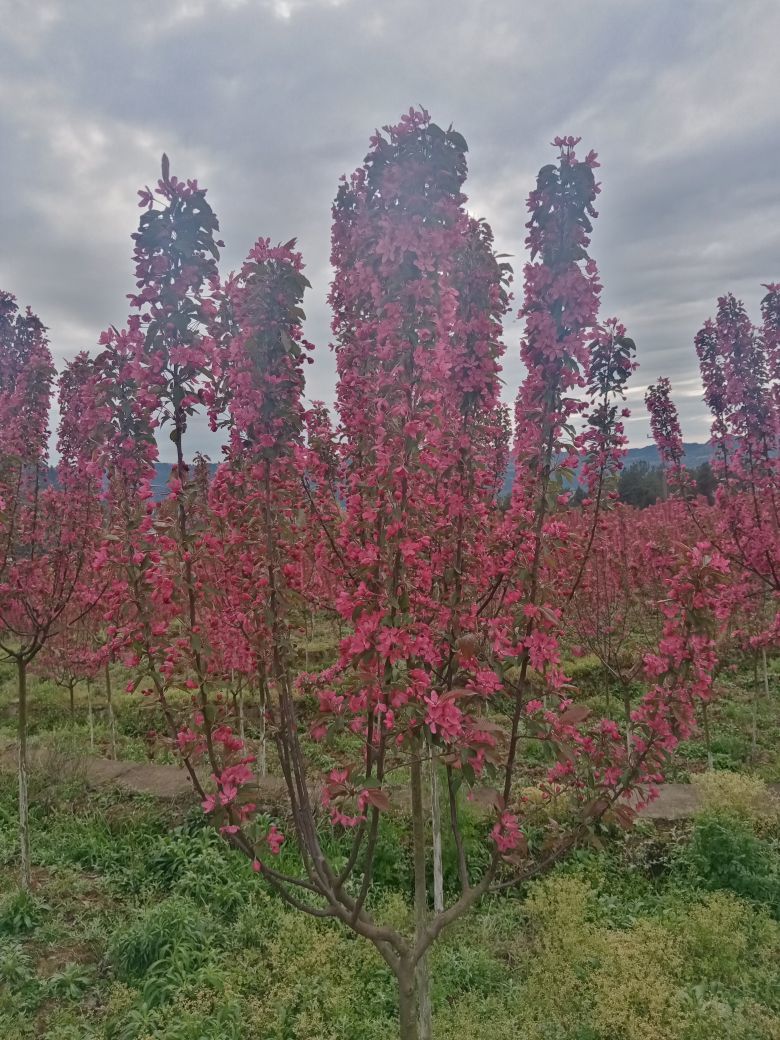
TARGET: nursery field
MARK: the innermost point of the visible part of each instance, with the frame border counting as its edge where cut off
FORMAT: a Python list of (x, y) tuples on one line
[(395, 721), (142, 923)]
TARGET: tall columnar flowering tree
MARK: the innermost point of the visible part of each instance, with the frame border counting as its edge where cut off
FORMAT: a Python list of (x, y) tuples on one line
[(739, 369), (259, 490), (47, 529), (450, 602), (667, 434), (602, 444), (155, 375), (78, 651), (26, 378), (738, 364), (417, 296)]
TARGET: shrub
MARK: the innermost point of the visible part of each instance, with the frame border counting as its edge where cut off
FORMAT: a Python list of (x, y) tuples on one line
[(691, 973), (724, 853), (745, 797), (722, 936), (460, 968)]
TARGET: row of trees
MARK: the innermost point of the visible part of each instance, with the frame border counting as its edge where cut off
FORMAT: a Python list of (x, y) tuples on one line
[(455, 608)]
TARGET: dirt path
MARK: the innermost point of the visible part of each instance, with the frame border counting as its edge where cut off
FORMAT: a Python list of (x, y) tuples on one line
[(171, 783), (168, 783)]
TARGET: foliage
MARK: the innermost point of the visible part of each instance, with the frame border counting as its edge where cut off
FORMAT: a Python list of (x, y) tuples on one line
[(20, 913), (607, 946), (724, 853), (736, 794)]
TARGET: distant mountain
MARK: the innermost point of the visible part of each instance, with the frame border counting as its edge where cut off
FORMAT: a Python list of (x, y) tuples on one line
[(695, 454)]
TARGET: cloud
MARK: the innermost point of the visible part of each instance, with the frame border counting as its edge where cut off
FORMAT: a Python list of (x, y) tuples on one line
[(268, 102)]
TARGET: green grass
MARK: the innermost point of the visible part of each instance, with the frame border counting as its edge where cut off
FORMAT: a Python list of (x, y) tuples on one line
[(143, 924)]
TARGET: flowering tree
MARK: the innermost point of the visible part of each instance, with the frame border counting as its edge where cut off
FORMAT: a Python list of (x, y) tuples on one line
[(614, 611), (48, 528), (738, 363), (152, 375), (450, 604), (739, 369), (667, 434), (258, 492), (450, 601)]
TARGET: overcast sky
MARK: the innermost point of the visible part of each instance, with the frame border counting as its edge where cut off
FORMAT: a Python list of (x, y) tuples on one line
[(268, 102)]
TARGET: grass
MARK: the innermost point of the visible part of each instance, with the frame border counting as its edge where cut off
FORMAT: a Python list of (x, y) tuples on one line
[(143, 924)]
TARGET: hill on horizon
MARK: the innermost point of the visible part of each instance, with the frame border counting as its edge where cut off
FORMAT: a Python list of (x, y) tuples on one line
[(695, 455)]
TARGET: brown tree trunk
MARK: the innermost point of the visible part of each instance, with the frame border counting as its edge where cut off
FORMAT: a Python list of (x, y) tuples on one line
[(421, 976), (438, 866), (262, 759), (110, 703), (407, 1007), (627, 709), (706, 721), (24, 806), (90, 716)]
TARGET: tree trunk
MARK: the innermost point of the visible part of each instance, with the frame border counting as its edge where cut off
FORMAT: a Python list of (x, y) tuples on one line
[(438, 867), (71, 688), (110, 703), (407, 1008), (240, 699), (627, 709), (90, 716), (754, 728), (422, 980), (706, 720), (424, 1006), (24, 807), (262, 765)]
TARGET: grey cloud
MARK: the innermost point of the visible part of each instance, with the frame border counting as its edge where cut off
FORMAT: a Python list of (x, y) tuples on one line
[(268, 103)]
